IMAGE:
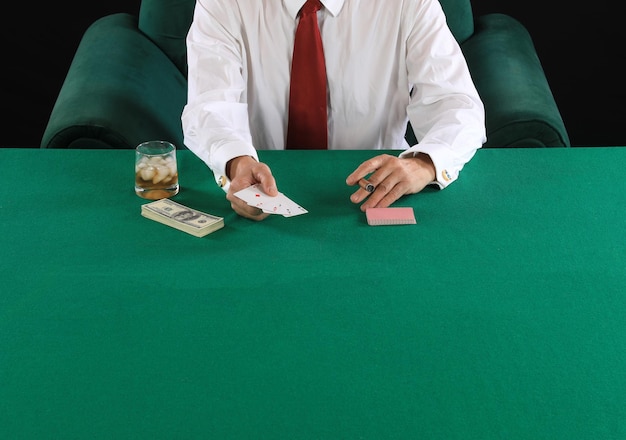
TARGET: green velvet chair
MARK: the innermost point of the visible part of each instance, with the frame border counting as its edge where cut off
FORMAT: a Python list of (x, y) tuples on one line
[(127, 81)]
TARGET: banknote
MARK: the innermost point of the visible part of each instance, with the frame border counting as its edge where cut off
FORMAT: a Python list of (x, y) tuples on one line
[(181, 217)]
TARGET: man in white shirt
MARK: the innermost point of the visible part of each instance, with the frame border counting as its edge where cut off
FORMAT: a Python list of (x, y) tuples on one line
[(387, 62)]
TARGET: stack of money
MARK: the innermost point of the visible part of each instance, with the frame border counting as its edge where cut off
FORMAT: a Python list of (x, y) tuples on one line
[(181, 217)]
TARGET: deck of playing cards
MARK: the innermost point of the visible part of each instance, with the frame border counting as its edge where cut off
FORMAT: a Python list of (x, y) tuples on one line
[(390, 216), (181, 217), (280, 204)]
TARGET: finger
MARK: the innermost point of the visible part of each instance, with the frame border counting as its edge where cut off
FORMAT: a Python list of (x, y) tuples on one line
[(263, 175), (367, 185), (366, 188), (268, 185), (390, 189), (366, 168), (384, 196), (250, 212), (239, 205), (371, 186), (257, 215), (374, 199)]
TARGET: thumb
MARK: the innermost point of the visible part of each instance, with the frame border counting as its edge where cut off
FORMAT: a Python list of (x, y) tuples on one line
[(267, 181)]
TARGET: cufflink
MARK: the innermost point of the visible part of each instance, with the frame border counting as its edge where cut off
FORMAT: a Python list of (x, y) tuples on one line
[(221, 181), (446, 176)]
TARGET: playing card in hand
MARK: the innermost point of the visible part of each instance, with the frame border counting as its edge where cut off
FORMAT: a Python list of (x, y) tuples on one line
[(280, 204)]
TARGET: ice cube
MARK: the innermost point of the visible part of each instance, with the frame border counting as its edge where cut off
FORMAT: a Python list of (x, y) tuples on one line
[(148, 173), (162, 172)]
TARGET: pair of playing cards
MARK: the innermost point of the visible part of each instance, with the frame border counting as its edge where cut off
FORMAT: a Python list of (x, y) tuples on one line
[(280, 204)]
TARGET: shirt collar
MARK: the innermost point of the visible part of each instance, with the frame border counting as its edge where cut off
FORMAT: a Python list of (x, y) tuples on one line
[(294, 6)]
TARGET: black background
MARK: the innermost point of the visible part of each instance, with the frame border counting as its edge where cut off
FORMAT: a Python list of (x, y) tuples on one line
[(581, 48)]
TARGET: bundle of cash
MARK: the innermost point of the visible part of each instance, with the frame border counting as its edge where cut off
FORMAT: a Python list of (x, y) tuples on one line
[(181, 217)]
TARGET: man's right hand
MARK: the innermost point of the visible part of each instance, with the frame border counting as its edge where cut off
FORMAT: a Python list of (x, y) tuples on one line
[(243, 172)]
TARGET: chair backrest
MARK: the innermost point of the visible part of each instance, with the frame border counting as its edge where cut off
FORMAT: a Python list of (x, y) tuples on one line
[(166, 22), (459, 17)]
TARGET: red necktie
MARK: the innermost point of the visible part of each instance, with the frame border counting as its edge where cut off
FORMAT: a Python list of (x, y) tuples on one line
[(307, 125)]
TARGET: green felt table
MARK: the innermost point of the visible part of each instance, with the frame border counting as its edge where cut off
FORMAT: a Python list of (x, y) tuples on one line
[(500, 315)]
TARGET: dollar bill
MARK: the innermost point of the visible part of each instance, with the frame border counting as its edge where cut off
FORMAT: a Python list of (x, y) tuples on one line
[(181, 217)]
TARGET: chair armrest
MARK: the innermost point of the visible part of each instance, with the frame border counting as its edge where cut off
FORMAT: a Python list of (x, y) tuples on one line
[(120, 90), (519, 106)]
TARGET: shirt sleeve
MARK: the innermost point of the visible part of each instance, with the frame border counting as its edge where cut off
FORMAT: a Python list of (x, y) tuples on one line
[(215, 118), (445, 110)]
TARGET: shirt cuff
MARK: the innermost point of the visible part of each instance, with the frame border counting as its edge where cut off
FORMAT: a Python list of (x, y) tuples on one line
[(222, 155), (446, 171)]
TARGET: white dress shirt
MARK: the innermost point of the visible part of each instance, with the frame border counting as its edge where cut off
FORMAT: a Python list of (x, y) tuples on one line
[(239, 58)]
